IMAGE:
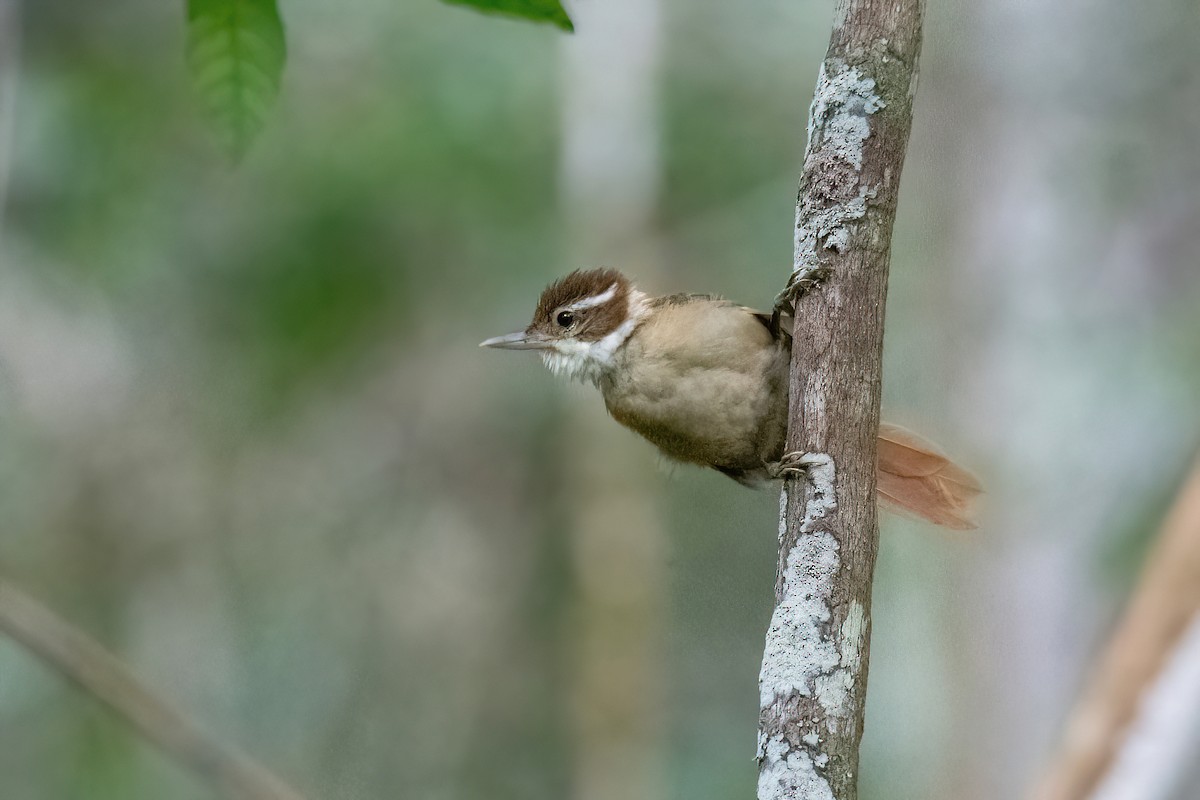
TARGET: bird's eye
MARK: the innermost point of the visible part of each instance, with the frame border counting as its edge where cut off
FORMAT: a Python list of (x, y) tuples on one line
[(565, 319)]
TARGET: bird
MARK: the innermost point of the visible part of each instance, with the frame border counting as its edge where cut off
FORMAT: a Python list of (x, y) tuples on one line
[(705, 380)]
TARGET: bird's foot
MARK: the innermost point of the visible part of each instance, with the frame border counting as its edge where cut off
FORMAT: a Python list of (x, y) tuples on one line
[(799, 284), (794, 464)]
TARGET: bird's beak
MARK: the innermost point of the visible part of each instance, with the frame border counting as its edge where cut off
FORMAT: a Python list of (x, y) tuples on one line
[(518, 341)]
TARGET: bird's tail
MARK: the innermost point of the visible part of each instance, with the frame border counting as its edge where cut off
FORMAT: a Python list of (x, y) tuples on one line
[(916, 479)]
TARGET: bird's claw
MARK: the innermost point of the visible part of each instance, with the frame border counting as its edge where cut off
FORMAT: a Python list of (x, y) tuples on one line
[(799, 284), (793, 465)]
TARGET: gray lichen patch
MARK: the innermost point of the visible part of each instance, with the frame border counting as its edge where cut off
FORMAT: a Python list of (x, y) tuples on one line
[(822, 497), (839, 125), (790, 774), (833, 689), (838, 122), (797, 653)]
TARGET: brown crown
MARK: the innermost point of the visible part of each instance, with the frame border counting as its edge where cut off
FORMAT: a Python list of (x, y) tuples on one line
[(580, 285)]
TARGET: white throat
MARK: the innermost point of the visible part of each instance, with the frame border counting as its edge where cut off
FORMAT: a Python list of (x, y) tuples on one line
[(588, 361)]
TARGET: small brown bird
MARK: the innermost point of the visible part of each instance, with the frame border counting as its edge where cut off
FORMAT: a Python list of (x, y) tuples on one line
[(706, 381)]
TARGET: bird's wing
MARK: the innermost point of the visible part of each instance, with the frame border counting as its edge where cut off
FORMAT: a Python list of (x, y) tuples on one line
[(779, 328), (683, 299)]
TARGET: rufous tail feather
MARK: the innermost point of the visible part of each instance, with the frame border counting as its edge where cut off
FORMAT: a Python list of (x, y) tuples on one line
[(915, 479)]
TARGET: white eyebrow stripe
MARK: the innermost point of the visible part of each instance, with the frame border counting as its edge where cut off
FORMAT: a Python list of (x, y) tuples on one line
[(595, 300)]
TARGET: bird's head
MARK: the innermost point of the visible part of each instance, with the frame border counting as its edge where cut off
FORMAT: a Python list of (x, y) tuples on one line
[(581, 321)]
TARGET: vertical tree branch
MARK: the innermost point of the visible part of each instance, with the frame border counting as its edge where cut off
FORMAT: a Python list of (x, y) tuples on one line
[(814, 672)]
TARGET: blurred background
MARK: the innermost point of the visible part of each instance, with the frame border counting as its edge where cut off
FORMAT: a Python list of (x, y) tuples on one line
[(247, 439)]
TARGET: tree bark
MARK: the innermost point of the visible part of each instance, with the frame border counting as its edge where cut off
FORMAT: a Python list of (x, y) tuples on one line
[(814, 672)]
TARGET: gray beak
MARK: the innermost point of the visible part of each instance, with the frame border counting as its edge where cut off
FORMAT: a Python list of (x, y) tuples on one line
[(518, 341)]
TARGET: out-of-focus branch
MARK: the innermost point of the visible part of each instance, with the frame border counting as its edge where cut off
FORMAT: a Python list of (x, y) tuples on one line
[(610, 182), (814, 672), (1165, 604), (77, 656)]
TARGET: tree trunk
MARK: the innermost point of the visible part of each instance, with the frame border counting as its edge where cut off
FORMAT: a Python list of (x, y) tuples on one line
[(814, 672)]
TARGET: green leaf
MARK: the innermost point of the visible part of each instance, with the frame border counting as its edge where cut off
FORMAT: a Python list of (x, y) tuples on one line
[(537, 10), (235, 55)]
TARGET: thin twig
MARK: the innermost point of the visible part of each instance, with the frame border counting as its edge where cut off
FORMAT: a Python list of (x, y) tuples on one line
[(80, 658)]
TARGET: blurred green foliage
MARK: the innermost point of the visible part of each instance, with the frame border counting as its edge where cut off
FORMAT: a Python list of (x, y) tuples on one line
[(537, 10), (235, 53)]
